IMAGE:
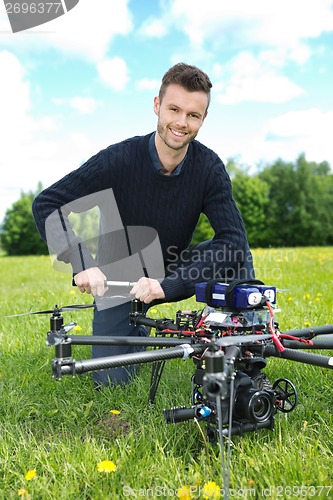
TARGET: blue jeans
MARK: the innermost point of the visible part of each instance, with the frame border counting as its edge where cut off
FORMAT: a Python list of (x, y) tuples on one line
[(115, 322)]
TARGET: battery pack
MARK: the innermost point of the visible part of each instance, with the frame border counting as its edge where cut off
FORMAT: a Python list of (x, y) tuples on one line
[(243, 297)]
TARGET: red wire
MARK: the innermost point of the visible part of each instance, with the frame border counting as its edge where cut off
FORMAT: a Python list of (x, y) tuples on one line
[(201, 320), (185, 332), (275, 336), (291, 337)]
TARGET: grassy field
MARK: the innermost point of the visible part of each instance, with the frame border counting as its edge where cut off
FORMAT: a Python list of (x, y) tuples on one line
[(64, 440)]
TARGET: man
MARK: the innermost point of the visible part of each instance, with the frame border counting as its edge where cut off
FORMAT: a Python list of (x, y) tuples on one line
[(163, 180)]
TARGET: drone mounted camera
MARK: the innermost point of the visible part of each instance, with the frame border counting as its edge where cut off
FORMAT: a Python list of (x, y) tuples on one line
[(228, 340)]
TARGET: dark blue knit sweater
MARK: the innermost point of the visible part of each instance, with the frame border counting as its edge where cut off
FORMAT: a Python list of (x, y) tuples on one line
[(169, 204)]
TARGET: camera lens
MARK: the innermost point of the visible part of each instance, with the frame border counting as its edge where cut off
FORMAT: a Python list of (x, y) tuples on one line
[(256, 406), (261, 407)]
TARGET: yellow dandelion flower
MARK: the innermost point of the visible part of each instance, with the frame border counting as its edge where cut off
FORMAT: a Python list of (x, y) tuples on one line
[(184, 493), (211, 490), (290, 298), (30, 474), (307, 296), (319, 294), (77, 328), (306, 323), (106, 466), (22, 492), (167, 304), (72, 292), (251, 481), (317, 299), (115, 412), (251, 463)]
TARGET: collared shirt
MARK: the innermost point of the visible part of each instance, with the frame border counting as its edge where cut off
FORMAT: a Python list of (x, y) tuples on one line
[(155, 160)]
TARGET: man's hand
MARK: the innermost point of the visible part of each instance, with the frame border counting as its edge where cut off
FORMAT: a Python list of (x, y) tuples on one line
[(91, 281), (147, 290)]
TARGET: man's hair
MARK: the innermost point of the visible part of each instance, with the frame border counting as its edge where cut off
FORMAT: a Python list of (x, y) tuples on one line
[(190, 77)]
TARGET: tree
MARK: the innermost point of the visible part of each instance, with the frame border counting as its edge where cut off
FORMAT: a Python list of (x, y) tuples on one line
[(203, 230), (300, 209), (20, 236), (252, 197)]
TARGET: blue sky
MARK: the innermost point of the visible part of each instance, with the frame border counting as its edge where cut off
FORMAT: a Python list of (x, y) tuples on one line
[(75, 85)]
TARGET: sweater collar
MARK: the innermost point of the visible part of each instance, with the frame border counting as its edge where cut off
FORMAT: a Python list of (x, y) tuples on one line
[(155, 160)]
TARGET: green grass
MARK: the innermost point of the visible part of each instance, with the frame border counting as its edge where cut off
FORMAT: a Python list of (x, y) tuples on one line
[(63, 429)]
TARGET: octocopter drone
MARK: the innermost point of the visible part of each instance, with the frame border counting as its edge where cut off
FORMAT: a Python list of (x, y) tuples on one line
[(228, 340)]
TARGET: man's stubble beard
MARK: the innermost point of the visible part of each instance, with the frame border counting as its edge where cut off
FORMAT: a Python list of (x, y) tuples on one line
[(162, 132)]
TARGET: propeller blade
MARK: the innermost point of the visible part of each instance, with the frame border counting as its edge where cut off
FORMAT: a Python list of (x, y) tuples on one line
[(29, 313), (73, 307)]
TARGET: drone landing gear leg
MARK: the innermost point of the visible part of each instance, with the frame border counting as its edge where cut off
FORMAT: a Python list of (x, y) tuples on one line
[(156, 373)]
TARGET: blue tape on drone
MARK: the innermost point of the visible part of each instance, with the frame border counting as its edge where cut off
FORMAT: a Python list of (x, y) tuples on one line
[(243, 297)]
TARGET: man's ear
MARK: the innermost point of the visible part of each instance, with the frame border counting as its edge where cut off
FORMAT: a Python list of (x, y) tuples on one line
[(156, 105)]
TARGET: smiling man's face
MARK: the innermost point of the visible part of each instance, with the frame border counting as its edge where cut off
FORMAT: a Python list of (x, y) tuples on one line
[(180, 115)]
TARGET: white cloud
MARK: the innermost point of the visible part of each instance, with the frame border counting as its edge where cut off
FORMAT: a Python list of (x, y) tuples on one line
[(156, 28), (86, 31), (147, 84), (113, 72), (15, 93), (262, 88), (240, 23), (300, 54), (58, 101), (84, 105), (287, 136), (250, 78), (17, 125), (300, 123), (31, 150), (275, 35), (254, 139), (308, 131)]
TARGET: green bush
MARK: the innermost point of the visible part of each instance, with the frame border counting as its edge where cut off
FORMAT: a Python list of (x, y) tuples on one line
[(20, 236)]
